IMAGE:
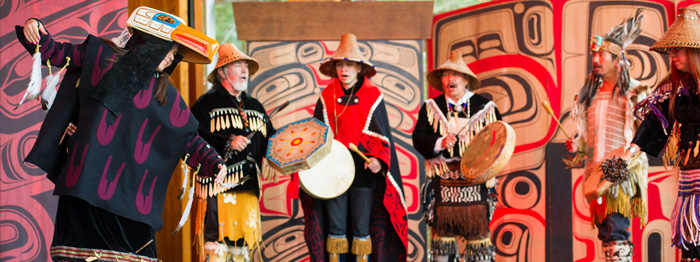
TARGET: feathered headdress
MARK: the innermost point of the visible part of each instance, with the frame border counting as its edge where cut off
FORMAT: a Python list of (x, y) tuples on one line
[(625, 33), (615, 42)]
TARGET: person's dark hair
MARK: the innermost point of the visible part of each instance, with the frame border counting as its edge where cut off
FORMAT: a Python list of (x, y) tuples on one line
[(161, 96), (119, 85), (163, 77), (675, 79), (117, 50)]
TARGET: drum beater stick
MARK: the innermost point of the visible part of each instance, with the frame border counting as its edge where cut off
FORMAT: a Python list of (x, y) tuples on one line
[(229, 150), (354, 148), (274, 111), (549, 110)]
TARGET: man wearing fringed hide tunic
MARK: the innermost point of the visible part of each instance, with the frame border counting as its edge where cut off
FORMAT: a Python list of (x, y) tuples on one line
[(605, 121), (443, 131), (115, 134), (227, 116), (373, 208)]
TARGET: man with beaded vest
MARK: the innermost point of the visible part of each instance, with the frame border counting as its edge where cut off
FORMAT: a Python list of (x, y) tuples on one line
[(440, 138), (116, 132), (372, 211), (671, 124), (236, 125), (605, 119)]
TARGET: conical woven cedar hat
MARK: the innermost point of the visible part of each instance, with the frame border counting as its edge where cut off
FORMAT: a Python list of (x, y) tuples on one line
[(455, 63), (229, 53), (684, 32), (348, 50)]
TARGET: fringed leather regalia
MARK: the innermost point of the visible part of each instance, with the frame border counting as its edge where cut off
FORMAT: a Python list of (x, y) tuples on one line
[(599, 126), (450, 215), (603, 113), (227, 224), (607, 124), (222, 117)]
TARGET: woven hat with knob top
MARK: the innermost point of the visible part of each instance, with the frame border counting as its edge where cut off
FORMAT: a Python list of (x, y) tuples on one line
[(684, 32), (229, 53), (350, 51), (457, 64)]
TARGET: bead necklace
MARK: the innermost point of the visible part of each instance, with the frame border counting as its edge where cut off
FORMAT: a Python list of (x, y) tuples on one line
[(335, 102)]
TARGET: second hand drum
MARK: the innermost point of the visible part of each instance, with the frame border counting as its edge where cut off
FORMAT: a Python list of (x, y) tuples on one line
[(488, 152), (325, 166)]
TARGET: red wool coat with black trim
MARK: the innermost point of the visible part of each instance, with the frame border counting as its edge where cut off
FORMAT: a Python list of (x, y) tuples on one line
[(364, 123)]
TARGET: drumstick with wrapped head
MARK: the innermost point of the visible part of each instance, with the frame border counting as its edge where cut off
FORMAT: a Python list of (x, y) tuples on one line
[(549, 110), (354, 148)]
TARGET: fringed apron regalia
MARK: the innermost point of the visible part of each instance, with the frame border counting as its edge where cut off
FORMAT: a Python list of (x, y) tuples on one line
[(454, 206), (672, 120), (234, 213), (679, 142)]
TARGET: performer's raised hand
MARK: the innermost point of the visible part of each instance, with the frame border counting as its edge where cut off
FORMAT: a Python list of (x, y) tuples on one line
[(221, 175), (449, 141), (239, 143), (33, 31), (373, 165)]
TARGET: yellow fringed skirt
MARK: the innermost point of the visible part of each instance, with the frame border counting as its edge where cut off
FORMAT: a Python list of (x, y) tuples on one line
[(239, 217)]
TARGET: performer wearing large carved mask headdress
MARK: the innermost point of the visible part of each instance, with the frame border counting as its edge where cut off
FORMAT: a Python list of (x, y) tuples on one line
[(115, 133)]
